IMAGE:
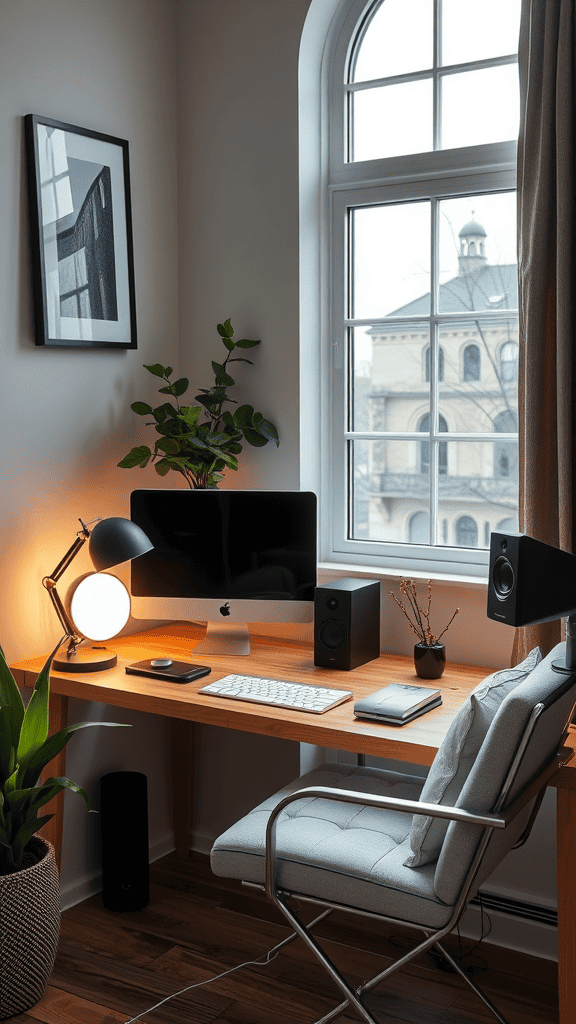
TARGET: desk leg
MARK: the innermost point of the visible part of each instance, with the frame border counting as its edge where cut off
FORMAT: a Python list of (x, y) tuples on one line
[(566, 837), (182, 756), (52, 830)]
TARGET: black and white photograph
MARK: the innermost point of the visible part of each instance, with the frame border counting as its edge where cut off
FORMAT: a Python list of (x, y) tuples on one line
[(81, 236)]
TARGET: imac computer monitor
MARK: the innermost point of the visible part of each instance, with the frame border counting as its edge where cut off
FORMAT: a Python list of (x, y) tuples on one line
[(226, 558)]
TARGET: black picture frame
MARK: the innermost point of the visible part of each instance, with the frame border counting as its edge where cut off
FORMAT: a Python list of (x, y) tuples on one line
[(81, 236)]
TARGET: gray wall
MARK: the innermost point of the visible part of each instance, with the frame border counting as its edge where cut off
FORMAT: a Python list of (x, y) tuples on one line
[(65, 417)]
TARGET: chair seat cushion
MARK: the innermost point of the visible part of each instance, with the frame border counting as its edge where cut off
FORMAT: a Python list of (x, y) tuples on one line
[(346, 853)]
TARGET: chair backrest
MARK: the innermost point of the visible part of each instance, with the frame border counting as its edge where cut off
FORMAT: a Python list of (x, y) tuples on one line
[(486, 778)]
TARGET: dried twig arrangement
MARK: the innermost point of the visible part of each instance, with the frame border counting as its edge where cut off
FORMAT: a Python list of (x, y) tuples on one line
[(418, 618)]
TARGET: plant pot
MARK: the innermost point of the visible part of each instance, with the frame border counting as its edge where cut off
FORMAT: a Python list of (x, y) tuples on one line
[(29, 930), (429, 660)]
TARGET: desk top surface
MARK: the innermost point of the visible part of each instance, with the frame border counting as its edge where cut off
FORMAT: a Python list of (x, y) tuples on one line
[(415, 742)]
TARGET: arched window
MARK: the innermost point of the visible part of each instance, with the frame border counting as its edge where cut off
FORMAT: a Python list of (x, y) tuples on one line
[(423, 427), (423, 138), (509, 525), (471, 363), (427, 364), (506, 452), (509, 362), (419, 528), (466, 532)]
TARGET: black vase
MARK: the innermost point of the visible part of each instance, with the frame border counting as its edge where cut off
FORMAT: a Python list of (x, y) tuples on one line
[(429, 660)]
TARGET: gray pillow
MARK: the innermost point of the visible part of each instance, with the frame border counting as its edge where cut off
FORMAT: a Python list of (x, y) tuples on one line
[(459, 749)]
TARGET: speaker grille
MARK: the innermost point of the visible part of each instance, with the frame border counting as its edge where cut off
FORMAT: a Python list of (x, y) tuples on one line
[(332, 635)]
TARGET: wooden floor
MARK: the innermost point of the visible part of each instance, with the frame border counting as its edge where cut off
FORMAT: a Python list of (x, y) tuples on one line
[(112, 967)]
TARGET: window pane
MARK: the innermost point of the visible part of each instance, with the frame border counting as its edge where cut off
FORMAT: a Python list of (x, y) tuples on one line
[(390, 386), (478, 262), (481, 486), (480, 107), (391, 260), (473, 31), (398, 40), (392, 120), (389, 489)]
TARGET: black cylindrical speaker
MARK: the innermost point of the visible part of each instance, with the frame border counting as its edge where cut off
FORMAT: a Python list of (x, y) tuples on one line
[(346, 623), (125, 855)]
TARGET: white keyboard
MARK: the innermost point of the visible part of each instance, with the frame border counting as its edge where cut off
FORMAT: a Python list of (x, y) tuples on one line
[(300, 696)]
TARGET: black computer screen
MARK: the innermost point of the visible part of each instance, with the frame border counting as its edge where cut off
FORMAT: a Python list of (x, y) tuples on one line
[(226, 544)]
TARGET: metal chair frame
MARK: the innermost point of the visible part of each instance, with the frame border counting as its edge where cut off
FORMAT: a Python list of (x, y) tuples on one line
[(498, 819)]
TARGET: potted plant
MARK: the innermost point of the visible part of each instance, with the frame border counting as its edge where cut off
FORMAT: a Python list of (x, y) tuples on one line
[(200, 441), (29, 884), (429, 653)]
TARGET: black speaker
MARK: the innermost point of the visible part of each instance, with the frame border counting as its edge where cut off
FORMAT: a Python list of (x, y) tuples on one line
[(346, 623), (124, 825), (529, 581)]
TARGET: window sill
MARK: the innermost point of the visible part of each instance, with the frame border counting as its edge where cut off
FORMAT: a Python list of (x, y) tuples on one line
[(333, 570)]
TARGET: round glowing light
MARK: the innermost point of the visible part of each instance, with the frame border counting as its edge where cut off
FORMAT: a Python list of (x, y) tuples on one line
[(100, 606)]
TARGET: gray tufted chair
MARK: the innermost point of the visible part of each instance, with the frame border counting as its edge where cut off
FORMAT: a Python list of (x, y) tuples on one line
[(340, 836)]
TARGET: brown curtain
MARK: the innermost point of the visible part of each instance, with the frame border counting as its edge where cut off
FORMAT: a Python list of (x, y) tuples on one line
[(546, 262)]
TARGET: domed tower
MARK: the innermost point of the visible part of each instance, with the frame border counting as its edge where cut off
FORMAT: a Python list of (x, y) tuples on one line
[(472, 255)]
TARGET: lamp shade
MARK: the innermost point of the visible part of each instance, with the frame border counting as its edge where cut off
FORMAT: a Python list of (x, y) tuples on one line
[(116, 540), (99, 605)]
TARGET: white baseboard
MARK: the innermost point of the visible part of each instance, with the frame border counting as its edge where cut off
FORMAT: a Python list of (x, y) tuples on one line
[(82, 888)]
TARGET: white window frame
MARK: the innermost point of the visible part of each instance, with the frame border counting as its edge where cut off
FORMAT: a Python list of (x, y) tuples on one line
[(436, 175)]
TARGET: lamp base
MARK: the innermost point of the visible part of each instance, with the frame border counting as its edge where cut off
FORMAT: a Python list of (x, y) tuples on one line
[(85, 659)]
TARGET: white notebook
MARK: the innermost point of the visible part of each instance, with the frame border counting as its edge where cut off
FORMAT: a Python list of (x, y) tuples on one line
[(398, 703)]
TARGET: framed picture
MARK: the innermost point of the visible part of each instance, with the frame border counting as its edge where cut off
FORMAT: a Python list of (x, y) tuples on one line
[(81, 233)]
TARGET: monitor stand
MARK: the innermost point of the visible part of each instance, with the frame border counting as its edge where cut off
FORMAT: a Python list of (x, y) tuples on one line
[(230, 638)]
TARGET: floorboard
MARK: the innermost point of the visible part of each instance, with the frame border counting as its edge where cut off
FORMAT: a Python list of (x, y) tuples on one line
[(111, 967)]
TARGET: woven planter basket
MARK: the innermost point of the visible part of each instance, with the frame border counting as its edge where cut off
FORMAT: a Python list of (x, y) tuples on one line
[(29, 931)]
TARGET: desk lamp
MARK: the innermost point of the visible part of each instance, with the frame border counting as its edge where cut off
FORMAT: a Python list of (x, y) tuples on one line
[(100, 604), (531, 582)]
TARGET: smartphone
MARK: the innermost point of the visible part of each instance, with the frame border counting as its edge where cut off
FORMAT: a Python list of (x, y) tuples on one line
[(165, 668)]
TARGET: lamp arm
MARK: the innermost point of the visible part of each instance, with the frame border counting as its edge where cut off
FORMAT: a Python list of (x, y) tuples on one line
[(49, 582), (63, 564), (62, 614)]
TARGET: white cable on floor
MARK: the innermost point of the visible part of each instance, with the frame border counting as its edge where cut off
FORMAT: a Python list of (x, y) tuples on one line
[(260, 962)]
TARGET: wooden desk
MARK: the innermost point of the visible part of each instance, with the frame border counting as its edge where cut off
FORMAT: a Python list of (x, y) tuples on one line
[(417, 742)]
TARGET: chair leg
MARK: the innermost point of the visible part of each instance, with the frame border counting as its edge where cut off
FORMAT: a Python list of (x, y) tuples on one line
[(454, 963), (348, 992)]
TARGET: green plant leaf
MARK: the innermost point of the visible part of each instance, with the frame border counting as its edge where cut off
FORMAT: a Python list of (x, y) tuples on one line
[(217, 368), (53, 746), (161, 412), (34, 729), (243, 416), (180, 386), (225, 380), (256, 439), (228, 459), (168, 445), (225, 330), (137, 457), (208, 401), (162, 467), (11, 706), (190, 414), (168, 390), (141, 408), (30, 828), (246, 343), (158, 370), (268, 430), (230, 345)]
